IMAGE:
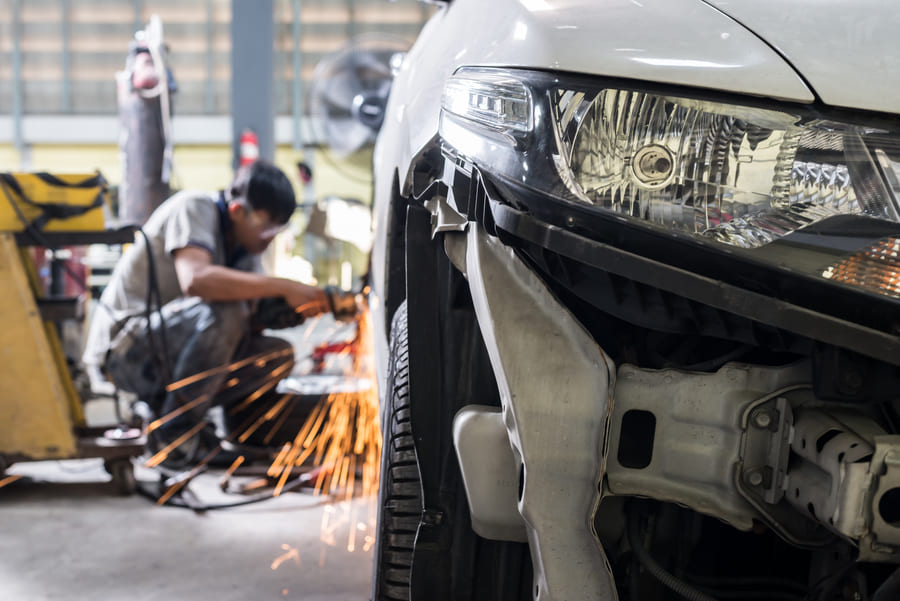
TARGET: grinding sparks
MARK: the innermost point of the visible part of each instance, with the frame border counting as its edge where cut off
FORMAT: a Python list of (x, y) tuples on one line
[(336, 452), (9, 480), (342, 434), (163, 453), (290, 554), (260, 359)]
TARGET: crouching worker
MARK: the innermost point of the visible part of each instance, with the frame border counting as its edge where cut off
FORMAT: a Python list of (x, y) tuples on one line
[(198, 263)]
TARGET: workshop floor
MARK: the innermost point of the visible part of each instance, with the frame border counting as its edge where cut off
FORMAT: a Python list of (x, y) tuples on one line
[(66, 534)]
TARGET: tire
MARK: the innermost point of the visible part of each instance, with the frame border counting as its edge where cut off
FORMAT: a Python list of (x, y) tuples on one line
[(453, 563), (400, 494)]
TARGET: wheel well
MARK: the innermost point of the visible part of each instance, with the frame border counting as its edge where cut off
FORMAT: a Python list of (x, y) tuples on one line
[(395, 269)]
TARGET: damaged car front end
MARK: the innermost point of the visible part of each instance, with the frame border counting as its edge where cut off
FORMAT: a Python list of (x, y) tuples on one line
[(646, 314)]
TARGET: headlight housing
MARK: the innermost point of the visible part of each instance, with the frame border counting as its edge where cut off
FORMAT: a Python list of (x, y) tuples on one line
[(731, 173)]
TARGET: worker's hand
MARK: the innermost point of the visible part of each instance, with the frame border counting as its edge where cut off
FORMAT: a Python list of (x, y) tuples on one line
[(306, 300)]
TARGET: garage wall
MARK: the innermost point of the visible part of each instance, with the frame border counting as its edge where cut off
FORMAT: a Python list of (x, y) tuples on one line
[(60, 56)]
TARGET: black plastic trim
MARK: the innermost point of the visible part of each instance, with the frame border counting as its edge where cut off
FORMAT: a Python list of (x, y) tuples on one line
[(718, 294), (123, 235)]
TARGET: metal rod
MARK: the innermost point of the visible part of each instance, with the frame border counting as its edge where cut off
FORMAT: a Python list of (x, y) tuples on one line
[(138, 14), (252, 74), (351, 19)]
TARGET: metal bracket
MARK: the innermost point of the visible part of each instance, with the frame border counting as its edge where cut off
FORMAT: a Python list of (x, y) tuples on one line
[(489, 472), (882, 543), (761, 475), (676, 435), (557, 432), (444, 218)]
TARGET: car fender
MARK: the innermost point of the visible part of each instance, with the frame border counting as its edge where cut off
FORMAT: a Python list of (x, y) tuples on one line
[(614, 38)]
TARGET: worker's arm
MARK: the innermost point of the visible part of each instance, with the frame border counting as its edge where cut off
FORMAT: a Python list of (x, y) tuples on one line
[(199, 277)]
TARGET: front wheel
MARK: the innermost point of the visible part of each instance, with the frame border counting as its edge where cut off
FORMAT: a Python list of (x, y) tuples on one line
[(400, 495)]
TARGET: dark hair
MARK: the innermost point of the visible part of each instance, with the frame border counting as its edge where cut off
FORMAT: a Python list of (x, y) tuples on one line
[(266, 187)]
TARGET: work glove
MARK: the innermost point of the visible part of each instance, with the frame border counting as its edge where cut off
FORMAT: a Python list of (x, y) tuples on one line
[(275, 314), (344, 305)]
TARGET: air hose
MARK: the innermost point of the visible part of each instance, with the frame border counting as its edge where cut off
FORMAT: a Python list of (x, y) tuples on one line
[(657, 571)]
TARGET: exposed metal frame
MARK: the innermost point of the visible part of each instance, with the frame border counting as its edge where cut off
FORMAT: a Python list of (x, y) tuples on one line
[(558, 433)]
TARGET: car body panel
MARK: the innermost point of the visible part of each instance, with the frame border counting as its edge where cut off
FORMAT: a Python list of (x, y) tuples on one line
[(561, 299), (572, 36), (860, 45)]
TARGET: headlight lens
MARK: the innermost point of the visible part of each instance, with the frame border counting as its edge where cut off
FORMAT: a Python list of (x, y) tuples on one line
[(491, 99), (738, 175)]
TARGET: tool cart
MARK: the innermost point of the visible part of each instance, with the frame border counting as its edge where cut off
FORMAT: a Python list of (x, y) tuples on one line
[(41, 408)]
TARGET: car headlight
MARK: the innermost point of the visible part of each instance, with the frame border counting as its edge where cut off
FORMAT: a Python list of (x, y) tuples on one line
[(736, 174)]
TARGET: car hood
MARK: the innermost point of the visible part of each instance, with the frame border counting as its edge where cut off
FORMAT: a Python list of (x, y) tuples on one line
[(848, 52), (680, 42)]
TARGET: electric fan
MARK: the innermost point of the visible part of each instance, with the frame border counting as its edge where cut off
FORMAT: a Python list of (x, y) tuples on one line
[(349, 91)]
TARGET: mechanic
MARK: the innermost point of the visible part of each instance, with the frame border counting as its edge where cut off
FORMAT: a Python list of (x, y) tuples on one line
[(185, 307)]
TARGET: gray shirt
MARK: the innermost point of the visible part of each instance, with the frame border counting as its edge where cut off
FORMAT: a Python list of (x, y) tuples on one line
[(189, 218)]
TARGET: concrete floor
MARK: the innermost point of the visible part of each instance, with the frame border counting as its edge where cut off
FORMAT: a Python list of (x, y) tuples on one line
[(66, 534)]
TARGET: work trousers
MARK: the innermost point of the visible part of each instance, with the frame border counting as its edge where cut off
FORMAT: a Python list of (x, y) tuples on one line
[(207, 349)]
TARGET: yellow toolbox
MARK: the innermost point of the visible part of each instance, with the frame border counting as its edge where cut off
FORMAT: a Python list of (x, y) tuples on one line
[(52, 202)]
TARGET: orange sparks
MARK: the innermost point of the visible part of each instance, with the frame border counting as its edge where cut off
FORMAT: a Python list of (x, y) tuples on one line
[(261, 358), (274, 377), (342, 437), (184, 479), (226, 478), (163, 453), (180, 411), (290, 553), (316, 306), (258, 483), (341, 434), (268, 415), (340, 440), (9, 480)]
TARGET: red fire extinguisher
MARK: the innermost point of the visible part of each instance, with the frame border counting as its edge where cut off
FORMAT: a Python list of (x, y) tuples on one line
[(249, 148)]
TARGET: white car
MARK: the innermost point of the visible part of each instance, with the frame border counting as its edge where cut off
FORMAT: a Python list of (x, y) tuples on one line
[(637, 287)]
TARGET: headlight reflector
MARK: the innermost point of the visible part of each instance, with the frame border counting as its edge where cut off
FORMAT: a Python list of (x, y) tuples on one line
[(739, 175)]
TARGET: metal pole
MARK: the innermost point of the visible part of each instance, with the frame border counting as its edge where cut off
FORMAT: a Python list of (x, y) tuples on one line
[(65, 26), (210, 60), (138, 16), (18, 92), (351, 19), (298, 77), (252, 80)]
